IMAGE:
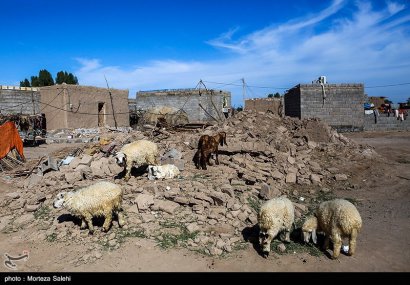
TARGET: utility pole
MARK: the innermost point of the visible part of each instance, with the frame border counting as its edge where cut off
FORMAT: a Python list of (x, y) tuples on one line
[(32, 101), (243, 92), (112, 103)]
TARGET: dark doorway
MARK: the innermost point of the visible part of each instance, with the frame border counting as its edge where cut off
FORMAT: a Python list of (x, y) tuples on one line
[(101, 114)]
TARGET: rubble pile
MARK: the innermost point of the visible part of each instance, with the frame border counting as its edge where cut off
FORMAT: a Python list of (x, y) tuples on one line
[(203, 210)]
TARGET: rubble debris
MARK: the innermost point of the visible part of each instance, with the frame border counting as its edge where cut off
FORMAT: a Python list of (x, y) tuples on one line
[(266, 157)]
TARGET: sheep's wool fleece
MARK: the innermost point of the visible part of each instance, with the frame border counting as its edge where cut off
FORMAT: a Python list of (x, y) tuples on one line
[(276, 213), (338, 213), (94, 199), (142, 151)]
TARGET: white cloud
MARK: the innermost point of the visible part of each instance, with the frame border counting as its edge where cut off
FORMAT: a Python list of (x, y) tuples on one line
[(368, 46)]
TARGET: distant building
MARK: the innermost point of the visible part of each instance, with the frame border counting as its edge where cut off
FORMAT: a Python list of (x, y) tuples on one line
[(273, 105), (75, 106), (377, 101), (200, 105), (339, 105), (19, 100)]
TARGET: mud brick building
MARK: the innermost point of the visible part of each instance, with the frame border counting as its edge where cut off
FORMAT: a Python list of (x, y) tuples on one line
[(273, 105), (74, 106), (339, 105)]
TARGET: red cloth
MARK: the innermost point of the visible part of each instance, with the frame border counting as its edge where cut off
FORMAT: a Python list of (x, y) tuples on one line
[(10, 139)]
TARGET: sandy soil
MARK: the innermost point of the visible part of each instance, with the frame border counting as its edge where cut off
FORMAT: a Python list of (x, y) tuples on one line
[(383, 198)]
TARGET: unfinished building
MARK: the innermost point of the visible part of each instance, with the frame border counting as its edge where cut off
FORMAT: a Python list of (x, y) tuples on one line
[(74, 106), (19, 100), (200, 105), (339, 105)]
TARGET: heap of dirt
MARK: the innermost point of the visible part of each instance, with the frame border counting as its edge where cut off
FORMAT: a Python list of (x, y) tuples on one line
[(207, 211)]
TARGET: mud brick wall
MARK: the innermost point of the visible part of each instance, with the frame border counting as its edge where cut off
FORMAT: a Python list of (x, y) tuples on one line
[(75, 106), (263, 105), (341, 107), (19, 100), (187, 99)]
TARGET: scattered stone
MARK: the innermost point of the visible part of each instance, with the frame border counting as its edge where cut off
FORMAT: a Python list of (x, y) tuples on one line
[(166, 206), (315, 179), (267, 192), (13, 195), (325, 190), (193, 227), (291, 178), (24, 219), (144, 201), (281, 248), (341, 177), (32, 208), (72, 177)]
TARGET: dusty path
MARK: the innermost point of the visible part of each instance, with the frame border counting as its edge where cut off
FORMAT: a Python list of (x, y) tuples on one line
[(383, 201)]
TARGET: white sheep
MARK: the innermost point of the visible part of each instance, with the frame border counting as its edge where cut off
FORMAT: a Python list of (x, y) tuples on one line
[(138, 153), (336, 219), (275, 216), (99, 199), (167, 171)]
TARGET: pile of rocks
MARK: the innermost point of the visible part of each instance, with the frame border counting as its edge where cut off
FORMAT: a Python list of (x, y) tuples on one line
[(266, 157)]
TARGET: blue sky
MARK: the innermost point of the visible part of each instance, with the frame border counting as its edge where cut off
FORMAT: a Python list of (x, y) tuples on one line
[(159, 44)]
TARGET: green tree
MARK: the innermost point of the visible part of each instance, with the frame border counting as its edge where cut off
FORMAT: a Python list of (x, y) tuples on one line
[(25, 83), (65, 77), (239, 109), (45, 78), (60, 79), (276, 95), (34, 81), (71, 79), (270, 95), (408, 100), (387, 101)]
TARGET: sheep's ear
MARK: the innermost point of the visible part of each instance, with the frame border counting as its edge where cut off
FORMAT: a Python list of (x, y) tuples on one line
[(314, 237)]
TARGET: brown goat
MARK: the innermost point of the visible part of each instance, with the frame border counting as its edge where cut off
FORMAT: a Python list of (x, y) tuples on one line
[(206, 146)]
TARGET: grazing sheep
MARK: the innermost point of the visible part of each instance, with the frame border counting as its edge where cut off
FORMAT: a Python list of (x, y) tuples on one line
[(167, 171), (208, 145), (337, 219), (138, 153), (275, 216), (99, 199)]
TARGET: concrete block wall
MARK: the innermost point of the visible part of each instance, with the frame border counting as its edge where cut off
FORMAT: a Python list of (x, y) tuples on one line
[(19, 100), (342, 107), (385, 123), (292, 102), (187, 99)]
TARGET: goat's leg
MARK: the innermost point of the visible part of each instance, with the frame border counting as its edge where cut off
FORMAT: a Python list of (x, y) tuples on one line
[(216, 159), (204, 159)]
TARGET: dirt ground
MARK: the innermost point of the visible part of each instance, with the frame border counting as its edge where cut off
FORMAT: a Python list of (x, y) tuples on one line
[(382, 196)]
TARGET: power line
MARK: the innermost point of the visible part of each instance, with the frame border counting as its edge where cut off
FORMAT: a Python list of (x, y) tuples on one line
[(390, 85), (272, 87)]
